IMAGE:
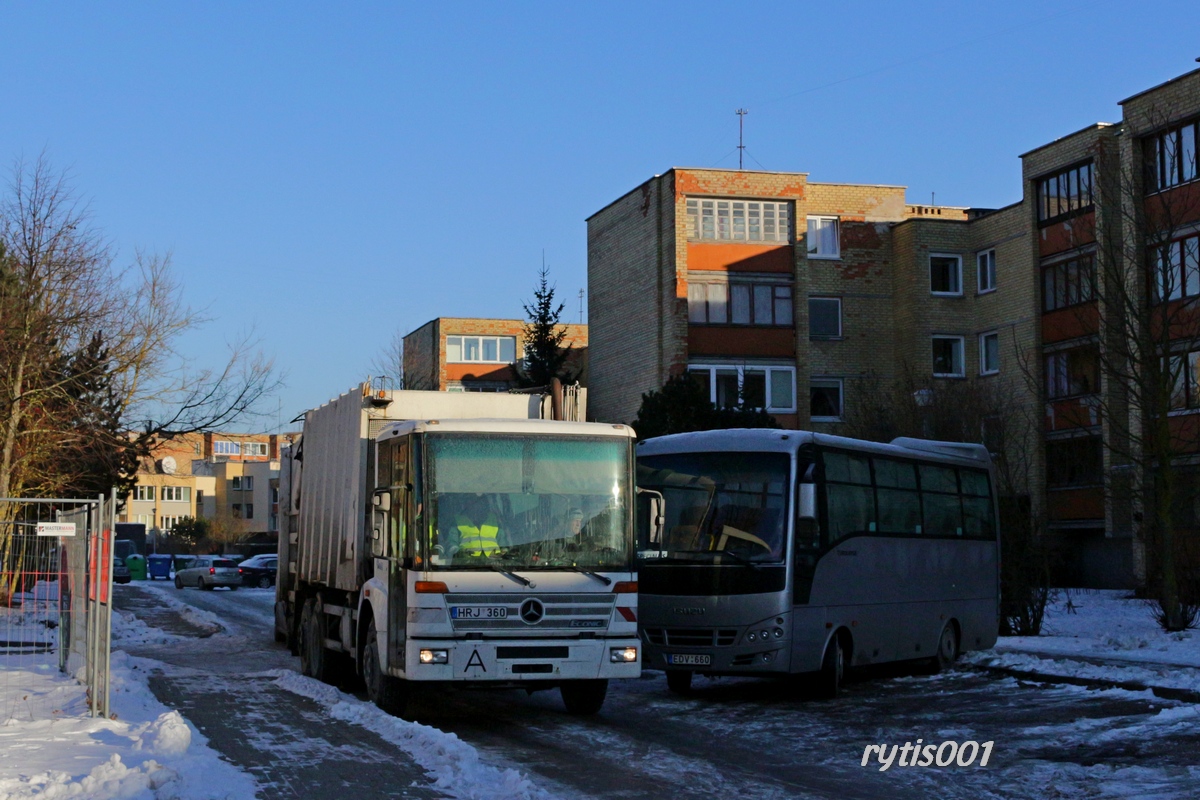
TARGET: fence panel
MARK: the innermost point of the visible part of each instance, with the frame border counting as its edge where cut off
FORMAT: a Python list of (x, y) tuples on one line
[(55, 601)]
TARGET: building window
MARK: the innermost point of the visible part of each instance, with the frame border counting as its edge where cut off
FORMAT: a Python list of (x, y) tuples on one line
[(254, 448), (1064, 193), (235, 510), (948, 357), (739, 220), (824, 317), (825, 399), (223, 448), (989, 353), (143, 493), (945, 274), (167, 523), (1068, 283), (199, 498), (1177, 267), (1185, 378), (176, 493), (273, 522), (1071, 373), (986, 262), (249, 511), (481, 349), (1172, 157), (145, 519), (770, 388), (739, 304), (1074, 462), (823, 240)]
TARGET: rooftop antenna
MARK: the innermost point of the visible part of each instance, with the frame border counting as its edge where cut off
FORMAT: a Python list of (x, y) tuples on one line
[(581, 306), (933, 198), (741, 114)]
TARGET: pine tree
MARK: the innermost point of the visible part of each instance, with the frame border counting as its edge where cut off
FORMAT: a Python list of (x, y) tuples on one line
[(544, 335)]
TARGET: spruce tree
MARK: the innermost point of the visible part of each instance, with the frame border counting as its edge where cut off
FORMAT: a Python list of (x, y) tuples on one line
[(543, 337)]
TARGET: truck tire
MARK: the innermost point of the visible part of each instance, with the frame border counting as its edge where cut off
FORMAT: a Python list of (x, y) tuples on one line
[(389, 693), (314, 658), (584, 697)]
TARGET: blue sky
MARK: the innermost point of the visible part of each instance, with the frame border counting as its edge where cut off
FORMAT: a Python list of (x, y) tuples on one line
[(332, 175)]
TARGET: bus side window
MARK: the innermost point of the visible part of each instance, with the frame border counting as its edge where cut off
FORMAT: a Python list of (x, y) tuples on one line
[(979, 519), (899, 502), (941, 501), (849, 498)]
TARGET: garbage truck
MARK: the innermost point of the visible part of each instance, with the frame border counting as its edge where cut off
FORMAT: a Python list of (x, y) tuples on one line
[(433, 538)]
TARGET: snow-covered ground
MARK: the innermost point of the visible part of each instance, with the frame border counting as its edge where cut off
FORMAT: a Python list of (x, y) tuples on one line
[(1102, 635), (145, 751)]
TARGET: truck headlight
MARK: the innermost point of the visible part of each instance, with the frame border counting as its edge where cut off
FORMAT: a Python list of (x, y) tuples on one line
[(622, 655), (435, 656)]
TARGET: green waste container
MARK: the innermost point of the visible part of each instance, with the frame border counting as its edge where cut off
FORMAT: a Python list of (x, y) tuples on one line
[(137, 566)]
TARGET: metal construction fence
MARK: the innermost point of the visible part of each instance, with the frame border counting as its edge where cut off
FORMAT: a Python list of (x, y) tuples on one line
[(56, 560)]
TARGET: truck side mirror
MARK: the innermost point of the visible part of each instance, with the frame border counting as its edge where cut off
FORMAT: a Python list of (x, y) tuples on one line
[(651, 516), (806, 501), (382, 500)]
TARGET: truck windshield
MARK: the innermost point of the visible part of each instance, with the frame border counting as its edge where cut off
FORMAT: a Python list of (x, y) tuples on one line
[(721, 508), (533, 502)]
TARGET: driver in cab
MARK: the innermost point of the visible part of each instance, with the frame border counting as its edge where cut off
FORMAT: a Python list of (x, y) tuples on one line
[(472, 532)]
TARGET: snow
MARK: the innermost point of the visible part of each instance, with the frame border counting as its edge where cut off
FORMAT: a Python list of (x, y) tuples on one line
[(1102, 635), (454, 764), (146, 751)]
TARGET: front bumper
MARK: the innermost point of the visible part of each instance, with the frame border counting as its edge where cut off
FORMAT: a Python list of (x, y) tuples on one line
[(521, 660)]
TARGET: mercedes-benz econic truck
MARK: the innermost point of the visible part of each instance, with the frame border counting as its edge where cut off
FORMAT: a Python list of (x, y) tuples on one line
[(435, 537)]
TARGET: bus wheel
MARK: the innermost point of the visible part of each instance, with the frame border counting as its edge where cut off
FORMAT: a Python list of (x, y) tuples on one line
[(389, 693), (584, 697), (833, 669), (947, 651), (680, 681)]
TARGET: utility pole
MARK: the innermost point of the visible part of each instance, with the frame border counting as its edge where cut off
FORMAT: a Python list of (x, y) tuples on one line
[(741, 114)]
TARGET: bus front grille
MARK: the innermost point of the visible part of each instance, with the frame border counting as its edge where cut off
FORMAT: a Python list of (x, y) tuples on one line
[(691, 637)]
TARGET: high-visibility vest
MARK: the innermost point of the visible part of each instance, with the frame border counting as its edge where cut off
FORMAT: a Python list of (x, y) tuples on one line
[(481, 540)]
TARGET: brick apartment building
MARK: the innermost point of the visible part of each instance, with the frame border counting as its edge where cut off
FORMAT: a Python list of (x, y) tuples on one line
[(790, 294), (210, 475), (451, 354)]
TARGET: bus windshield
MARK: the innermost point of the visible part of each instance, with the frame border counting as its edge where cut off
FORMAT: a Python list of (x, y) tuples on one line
[(528, 502), (721, 508)]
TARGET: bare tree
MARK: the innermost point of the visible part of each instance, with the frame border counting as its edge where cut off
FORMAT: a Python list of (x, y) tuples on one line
[(388, 363), (82, 340)]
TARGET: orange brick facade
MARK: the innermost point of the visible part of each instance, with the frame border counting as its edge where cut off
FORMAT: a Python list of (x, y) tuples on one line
[(427, 366)]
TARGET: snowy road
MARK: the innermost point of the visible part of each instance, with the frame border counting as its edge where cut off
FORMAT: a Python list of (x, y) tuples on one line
[(732, 737)]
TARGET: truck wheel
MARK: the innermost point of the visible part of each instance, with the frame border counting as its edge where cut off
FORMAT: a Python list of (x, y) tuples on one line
[(833, 669), (389, 693), (584, 697), (680, 681), (314, 658)]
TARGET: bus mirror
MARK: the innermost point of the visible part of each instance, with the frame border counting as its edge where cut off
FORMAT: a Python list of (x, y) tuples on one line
[(807, 501), (382, 500), (651, 511)]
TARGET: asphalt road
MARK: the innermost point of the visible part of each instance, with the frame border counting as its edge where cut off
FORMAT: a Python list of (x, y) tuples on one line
[(753, 739)]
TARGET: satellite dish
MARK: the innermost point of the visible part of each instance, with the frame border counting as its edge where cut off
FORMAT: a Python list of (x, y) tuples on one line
[(167, 465)]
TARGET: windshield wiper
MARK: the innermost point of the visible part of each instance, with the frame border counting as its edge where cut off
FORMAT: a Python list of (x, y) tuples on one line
[(602, 578), (740, 559), (510, 574)]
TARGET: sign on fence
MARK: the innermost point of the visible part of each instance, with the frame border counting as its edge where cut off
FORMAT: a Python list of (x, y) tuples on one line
[(56, 529)]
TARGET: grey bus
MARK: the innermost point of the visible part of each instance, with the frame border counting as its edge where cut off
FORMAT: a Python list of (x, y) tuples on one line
[(788, 552)]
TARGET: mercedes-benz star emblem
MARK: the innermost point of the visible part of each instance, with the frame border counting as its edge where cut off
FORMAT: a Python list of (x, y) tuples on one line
[(532, 611)]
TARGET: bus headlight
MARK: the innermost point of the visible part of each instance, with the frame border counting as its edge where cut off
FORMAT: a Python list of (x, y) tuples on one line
[(622, 655), (435, 656)]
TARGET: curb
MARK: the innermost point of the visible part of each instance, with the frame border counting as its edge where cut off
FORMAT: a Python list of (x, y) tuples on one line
[(1165, 692)]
